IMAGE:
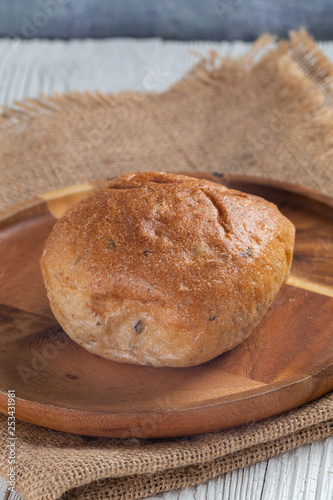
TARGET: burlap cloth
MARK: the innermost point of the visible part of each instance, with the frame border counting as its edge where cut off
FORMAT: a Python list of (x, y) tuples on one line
[(269, 113)]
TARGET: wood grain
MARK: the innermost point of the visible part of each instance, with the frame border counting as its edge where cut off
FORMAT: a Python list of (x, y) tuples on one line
[(286, 362)]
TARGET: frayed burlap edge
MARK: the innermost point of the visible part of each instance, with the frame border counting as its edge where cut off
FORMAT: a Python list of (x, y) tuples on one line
[(265, 114)]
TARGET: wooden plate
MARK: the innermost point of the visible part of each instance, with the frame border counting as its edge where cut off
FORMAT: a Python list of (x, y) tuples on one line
[(286, 362)]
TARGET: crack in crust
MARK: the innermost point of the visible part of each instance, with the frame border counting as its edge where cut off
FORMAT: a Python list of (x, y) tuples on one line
[(222, 215), (128, 183)]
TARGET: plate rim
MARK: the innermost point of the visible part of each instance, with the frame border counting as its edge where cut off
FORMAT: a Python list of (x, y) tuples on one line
[(120, 425), (38, 205)]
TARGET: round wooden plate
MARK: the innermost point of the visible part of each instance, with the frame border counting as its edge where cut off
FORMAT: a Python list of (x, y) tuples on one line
[(287, 361)]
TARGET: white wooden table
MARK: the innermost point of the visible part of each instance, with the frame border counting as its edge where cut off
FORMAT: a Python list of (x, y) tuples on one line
[(28, 68)]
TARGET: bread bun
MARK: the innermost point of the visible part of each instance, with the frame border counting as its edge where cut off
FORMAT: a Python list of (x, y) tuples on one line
[(165, 270)]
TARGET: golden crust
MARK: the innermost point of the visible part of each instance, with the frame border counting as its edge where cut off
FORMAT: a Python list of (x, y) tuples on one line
[(165, 270)]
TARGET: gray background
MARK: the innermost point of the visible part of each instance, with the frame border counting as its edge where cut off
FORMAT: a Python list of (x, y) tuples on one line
[(171, 19)]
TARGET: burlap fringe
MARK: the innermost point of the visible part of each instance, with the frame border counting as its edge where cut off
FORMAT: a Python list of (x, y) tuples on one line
[(293, 77), (313, 62)]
